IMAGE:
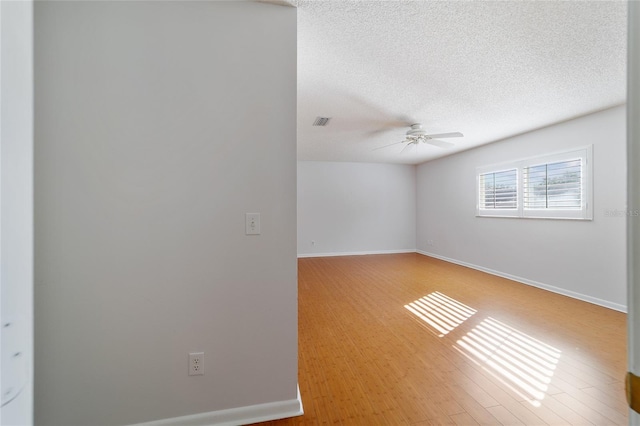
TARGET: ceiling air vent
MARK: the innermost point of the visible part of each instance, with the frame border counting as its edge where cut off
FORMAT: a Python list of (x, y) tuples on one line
[(321, 121)]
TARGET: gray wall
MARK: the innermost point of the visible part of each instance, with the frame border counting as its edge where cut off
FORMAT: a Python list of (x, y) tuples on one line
[(158, 125), (352, 208), (583, 259)]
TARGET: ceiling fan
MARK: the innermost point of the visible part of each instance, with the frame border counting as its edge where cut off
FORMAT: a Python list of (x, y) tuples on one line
[(416, 135)]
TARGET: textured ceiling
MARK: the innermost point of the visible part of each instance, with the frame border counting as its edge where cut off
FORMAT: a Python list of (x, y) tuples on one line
[(487, 69)]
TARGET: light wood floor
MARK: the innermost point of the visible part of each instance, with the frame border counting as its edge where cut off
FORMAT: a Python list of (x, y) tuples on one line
[(410, 340)]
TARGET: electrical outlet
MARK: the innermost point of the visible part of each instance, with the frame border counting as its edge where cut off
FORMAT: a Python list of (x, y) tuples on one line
[(196, 364)]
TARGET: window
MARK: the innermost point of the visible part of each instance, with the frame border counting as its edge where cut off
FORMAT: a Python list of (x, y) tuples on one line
[(498, 190), (554, 186)]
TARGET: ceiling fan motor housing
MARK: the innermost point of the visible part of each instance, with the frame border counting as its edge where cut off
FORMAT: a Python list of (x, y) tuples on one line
[(416, 131)]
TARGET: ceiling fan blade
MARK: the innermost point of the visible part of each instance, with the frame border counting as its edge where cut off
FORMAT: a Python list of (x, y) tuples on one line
[(385, 146), (406, 147), (441, 144), (378, 131), (373, 116), (447, 135), (395, 123)]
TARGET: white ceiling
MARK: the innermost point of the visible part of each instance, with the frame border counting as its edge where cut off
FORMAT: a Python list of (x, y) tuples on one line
[(487, 69)]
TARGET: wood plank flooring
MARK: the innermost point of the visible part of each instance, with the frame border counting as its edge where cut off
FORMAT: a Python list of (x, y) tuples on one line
[(410, 340)]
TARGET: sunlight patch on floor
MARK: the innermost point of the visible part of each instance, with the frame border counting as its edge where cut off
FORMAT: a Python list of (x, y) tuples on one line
[(440, 312), (523, 363)]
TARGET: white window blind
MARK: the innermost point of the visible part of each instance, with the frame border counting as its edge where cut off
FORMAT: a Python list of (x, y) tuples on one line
[(499, 190), (553, 185)]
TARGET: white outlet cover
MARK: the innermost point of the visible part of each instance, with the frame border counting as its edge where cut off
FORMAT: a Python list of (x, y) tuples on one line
[(196, 364)]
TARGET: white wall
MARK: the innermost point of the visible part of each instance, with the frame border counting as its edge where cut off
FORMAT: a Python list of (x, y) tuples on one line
[(355, 208), (158, 125), (16, 212), (584, 259)]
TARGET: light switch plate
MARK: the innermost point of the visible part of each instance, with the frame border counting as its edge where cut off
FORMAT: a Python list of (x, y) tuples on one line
[(252, 225)]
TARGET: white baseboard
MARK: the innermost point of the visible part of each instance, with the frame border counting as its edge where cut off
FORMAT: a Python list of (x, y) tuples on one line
[(572, 294), (354, 253), (237, 416)]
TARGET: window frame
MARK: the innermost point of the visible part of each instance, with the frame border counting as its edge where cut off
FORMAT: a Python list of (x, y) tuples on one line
[(585, 154)]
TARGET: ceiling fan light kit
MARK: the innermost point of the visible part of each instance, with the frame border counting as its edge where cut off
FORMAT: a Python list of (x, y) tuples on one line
[(417, 134)]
